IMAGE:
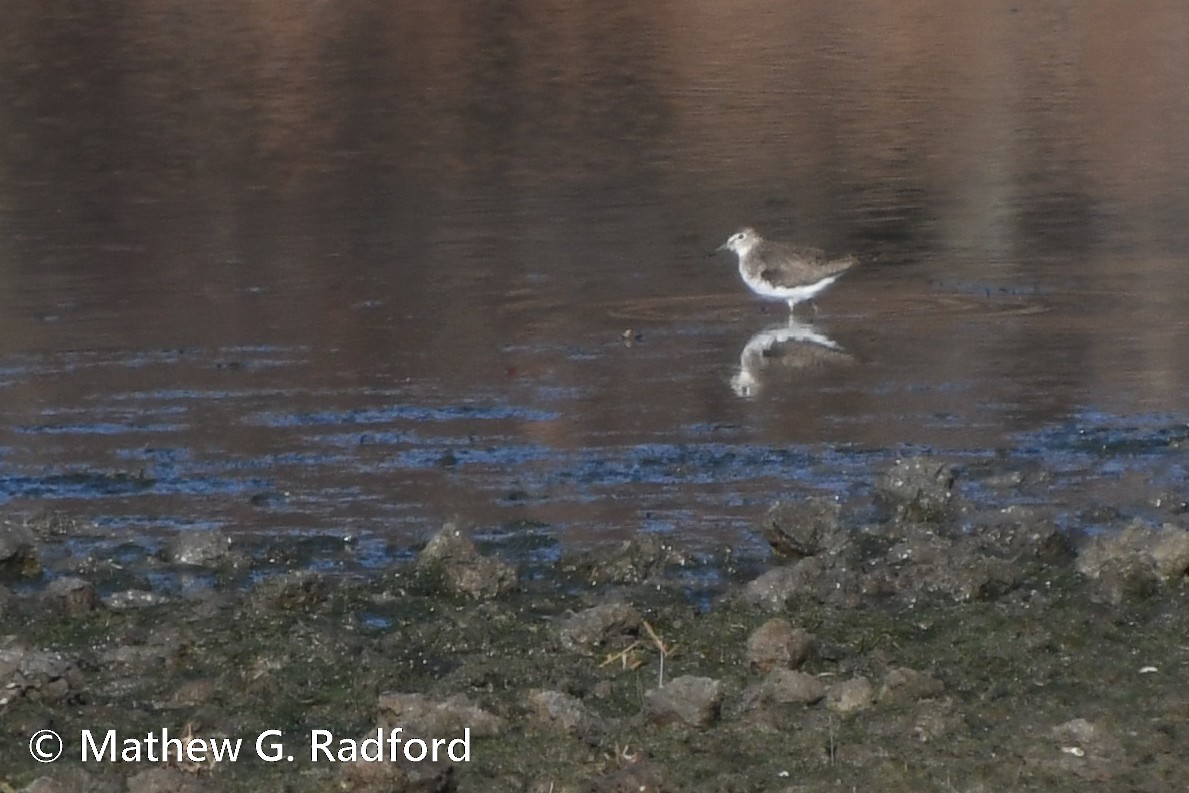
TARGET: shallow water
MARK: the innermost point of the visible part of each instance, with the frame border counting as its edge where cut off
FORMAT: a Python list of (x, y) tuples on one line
[(344, 270)]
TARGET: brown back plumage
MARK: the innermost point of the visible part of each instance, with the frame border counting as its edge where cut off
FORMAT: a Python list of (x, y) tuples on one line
[(782, 264)]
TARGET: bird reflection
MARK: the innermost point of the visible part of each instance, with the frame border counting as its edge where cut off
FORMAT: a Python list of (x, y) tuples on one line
[(784, 347)]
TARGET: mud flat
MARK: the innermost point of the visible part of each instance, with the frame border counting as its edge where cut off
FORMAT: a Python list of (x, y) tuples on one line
[(911, 644)]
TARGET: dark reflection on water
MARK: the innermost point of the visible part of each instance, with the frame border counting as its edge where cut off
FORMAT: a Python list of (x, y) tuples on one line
[(341, 267), (784, 348)]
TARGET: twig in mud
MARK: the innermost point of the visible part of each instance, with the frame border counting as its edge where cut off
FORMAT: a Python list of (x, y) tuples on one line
[(630, 661), (664, 651)]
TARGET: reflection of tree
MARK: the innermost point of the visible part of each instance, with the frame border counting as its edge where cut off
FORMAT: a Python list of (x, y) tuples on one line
[(220, 173)]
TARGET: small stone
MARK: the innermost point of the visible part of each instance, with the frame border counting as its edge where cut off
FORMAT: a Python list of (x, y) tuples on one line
[(772, 590), (423, 716), (465, 571), (71, 596), (363, 776), (195, 692), (787, 686), (134, 599), (65, 781), (850, 696), (804, 528), (298, 590), (934, 719), (1087, 750), (565, 713), (18, 552), (691, 701), (918, 490), (631, 562), (1165, 551), (37, 674), (777, 643), (599, 625), (45, 784), (1123, 579), (907, 685), (164, 780), (637, 777), (1170, 552), (199, 548)]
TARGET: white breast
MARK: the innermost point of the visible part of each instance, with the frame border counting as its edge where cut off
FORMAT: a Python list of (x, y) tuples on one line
[(793, 294)]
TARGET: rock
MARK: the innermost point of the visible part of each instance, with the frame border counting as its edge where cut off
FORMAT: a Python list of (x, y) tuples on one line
[(199, 548), (777, 643), (933, 719), (908, 685), (929, 564), (1123, 579), (638, 777), (788, 686), (631, 562), (1135, 563), (918, 490), (370, 766), (691, 701), (195, 692), (164, 780), (134, 599), (772, 591), (298, 590), (39, 675), (1087, 750), (424, 717), (464, 570), (804, 528), (973, 578), (599, 625), (162, 650), (555, 710), (18, 552), (424, 777), (850, 696), (1170, 553), (71, 596), (1026, 533), (1165, 551), (69, 781)]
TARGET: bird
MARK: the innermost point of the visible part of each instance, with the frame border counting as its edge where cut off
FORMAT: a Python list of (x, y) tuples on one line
[(781, 271)]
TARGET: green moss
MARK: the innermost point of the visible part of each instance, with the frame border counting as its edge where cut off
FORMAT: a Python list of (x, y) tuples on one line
[(1012, 670)]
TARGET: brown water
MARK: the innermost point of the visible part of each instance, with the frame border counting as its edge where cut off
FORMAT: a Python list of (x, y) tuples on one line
[(352, 268)]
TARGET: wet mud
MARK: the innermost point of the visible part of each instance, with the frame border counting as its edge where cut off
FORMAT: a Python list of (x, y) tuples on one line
[(908, 636)]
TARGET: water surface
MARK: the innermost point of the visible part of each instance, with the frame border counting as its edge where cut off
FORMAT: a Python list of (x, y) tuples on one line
[(346, 269)]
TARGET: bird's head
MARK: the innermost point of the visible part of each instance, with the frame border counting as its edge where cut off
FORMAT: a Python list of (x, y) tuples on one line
[(740, 242)]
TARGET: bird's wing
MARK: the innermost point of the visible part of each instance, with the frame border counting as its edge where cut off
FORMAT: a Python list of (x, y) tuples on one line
[(790, 265)]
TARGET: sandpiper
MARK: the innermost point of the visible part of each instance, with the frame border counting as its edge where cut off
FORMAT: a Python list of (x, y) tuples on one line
[(780, 271)]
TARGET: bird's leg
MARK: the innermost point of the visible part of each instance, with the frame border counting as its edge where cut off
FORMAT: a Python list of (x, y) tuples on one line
[(793, 310)]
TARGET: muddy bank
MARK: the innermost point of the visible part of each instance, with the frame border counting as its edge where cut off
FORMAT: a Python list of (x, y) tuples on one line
[(910, 639)]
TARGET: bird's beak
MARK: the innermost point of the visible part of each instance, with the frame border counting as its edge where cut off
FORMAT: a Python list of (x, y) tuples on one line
[(719, 249)]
